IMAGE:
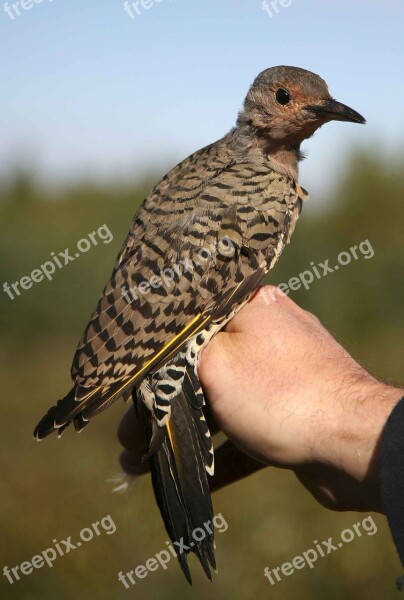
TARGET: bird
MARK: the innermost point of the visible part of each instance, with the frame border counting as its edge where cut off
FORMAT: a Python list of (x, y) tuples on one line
[(197, 250)]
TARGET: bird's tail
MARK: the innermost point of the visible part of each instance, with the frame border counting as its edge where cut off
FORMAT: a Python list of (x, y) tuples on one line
[(179, 475)]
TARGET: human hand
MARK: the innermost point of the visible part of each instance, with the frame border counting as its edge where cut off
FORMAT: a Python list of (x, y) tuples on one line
[(288, 395)]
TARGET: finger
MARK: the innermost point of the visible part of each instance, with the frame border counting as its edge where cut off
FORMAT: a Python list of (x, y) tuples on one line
[(131, 435), (337, 490), (231, 465), (133, 464), (131, 432)]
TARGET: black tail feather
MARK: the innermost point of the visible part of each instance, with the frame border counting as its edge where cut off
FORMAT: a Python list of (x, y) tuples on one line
[(181, 485)]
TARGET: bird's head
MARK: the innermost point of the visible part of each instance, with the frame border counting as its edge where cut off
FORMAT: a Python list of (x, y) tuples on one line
[(287, 105)]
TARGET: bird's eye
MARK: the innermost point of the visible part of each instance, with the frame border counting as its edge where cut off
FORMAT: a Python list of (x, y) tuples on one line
[(282, 96)]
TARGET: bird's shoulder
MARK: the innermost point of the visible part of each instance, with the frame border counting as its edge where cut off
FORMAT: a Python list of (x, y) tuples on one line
[(210, 204), (213, 189), (214, 175)]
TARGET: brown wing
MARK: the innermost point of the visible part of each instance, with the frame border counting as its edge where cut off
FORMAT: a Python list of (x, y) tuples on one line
[(213, 226)]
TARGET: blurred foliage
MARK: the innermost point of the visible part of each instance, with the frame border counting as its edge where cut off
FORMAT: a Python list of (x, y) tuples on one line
[(54, 489)]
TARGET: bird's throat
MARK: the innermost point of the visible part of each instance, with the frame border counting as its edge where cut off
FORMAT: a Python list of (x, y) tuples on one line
[(284, 155), (287, 159)]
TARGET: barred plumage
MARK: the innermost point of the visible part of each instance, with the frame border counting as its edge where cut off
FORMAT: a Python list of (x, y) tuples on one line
[(197, 249)]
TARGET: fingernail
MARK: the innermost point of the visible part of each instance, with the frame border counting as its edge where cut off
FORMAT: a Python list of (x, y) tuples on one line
[(129, 468)]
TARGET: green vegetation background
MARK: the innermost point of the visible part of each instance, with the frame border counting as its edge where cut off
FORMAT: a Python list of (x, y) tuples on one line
[(54, 489)]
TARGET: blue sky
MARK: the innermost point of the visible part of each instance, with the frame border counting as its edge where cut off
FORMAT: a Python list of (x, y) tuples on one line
[(88, 91)]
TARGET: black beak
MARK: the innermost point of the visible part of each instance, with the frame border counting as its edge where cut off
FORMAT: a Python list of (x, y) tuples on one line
[(336, 111)]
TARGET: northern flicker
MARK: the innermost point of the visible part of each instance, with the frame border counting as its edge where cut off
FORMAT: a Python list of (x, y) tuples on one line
[(196, 251)]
